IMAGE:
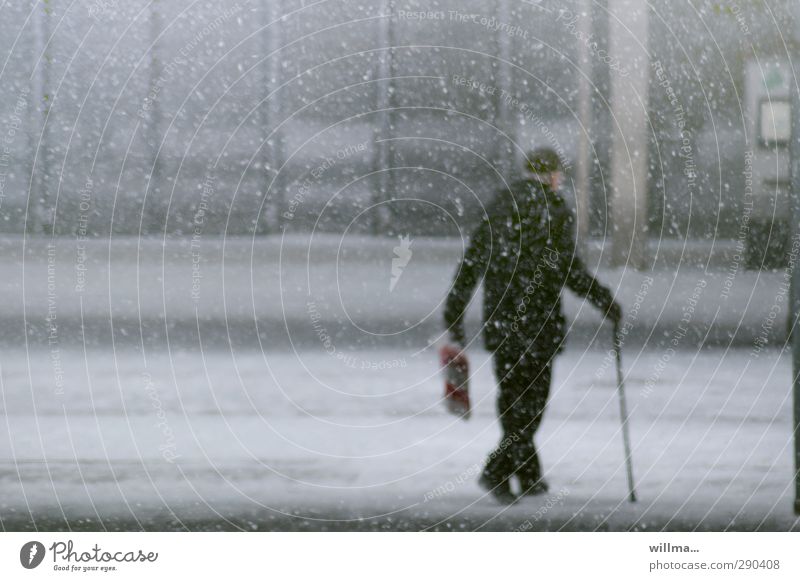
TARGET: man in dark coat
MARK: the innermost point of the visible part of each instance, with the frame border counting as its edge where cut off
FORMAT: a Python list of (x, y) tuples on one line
[(524, 253)]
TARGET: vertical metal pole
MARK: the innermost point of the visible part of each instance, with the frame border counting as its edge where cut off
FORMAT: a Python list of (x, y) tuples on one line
[(32, 206), (795, 283), (154, 208), (391, 176), (628, 28), (382, 159), (583, 161), (505, 154), (276, 154), (39, 194)]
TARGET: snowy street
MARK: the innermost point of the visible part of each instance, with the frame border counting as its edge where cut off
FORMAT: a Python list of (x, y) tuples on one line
[(303, 440), (154, 403)]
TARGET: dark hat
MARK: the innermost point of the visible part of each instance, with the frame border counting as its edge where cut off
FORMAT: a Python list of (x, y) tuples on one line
[(544, 160)]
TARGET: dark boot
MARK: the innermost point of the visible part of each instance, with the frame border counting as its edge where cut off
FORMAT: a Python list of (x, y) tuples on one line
[(533, 488), (499, 489), (529, 472)]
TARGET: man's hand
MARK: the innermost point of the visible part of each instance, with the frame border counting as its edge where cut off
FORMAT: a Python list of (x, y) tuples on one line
[(457, 339)]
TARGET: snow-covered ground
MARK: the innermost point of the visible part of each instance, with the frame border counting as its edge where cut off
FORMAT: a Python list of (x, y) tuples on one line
[(287, 383), (286, 440)]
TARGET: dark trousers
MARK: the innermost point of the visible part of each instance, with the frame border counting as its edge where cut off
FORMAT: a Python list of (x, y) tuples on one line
[(523, 386)]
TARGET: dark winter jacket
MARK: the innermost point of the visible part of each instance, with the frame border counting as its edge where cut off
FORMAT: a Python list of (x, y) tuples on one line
[(524, 253)]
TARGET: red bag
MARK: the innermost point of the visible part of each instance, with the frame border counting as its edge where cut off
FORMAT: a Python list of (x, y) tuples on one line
[(456, 380)]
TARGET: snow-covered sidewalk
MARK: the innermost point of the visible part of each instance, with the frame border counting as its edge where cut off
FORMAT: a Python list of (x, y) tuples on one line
[(306, 440)]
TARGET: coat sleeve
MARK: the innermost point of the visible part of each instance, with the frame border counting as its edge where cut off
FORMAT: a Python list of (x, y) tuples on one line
[(470, 271), (579, 279)]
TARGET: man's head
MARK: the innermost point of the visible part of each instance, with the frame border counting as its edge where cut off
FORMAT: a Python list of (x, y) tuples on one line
[(545, 165)]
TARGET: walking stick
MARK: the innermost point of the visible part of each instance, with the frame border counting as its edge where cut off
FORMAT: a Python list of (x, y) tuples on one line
[(623, 413)]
